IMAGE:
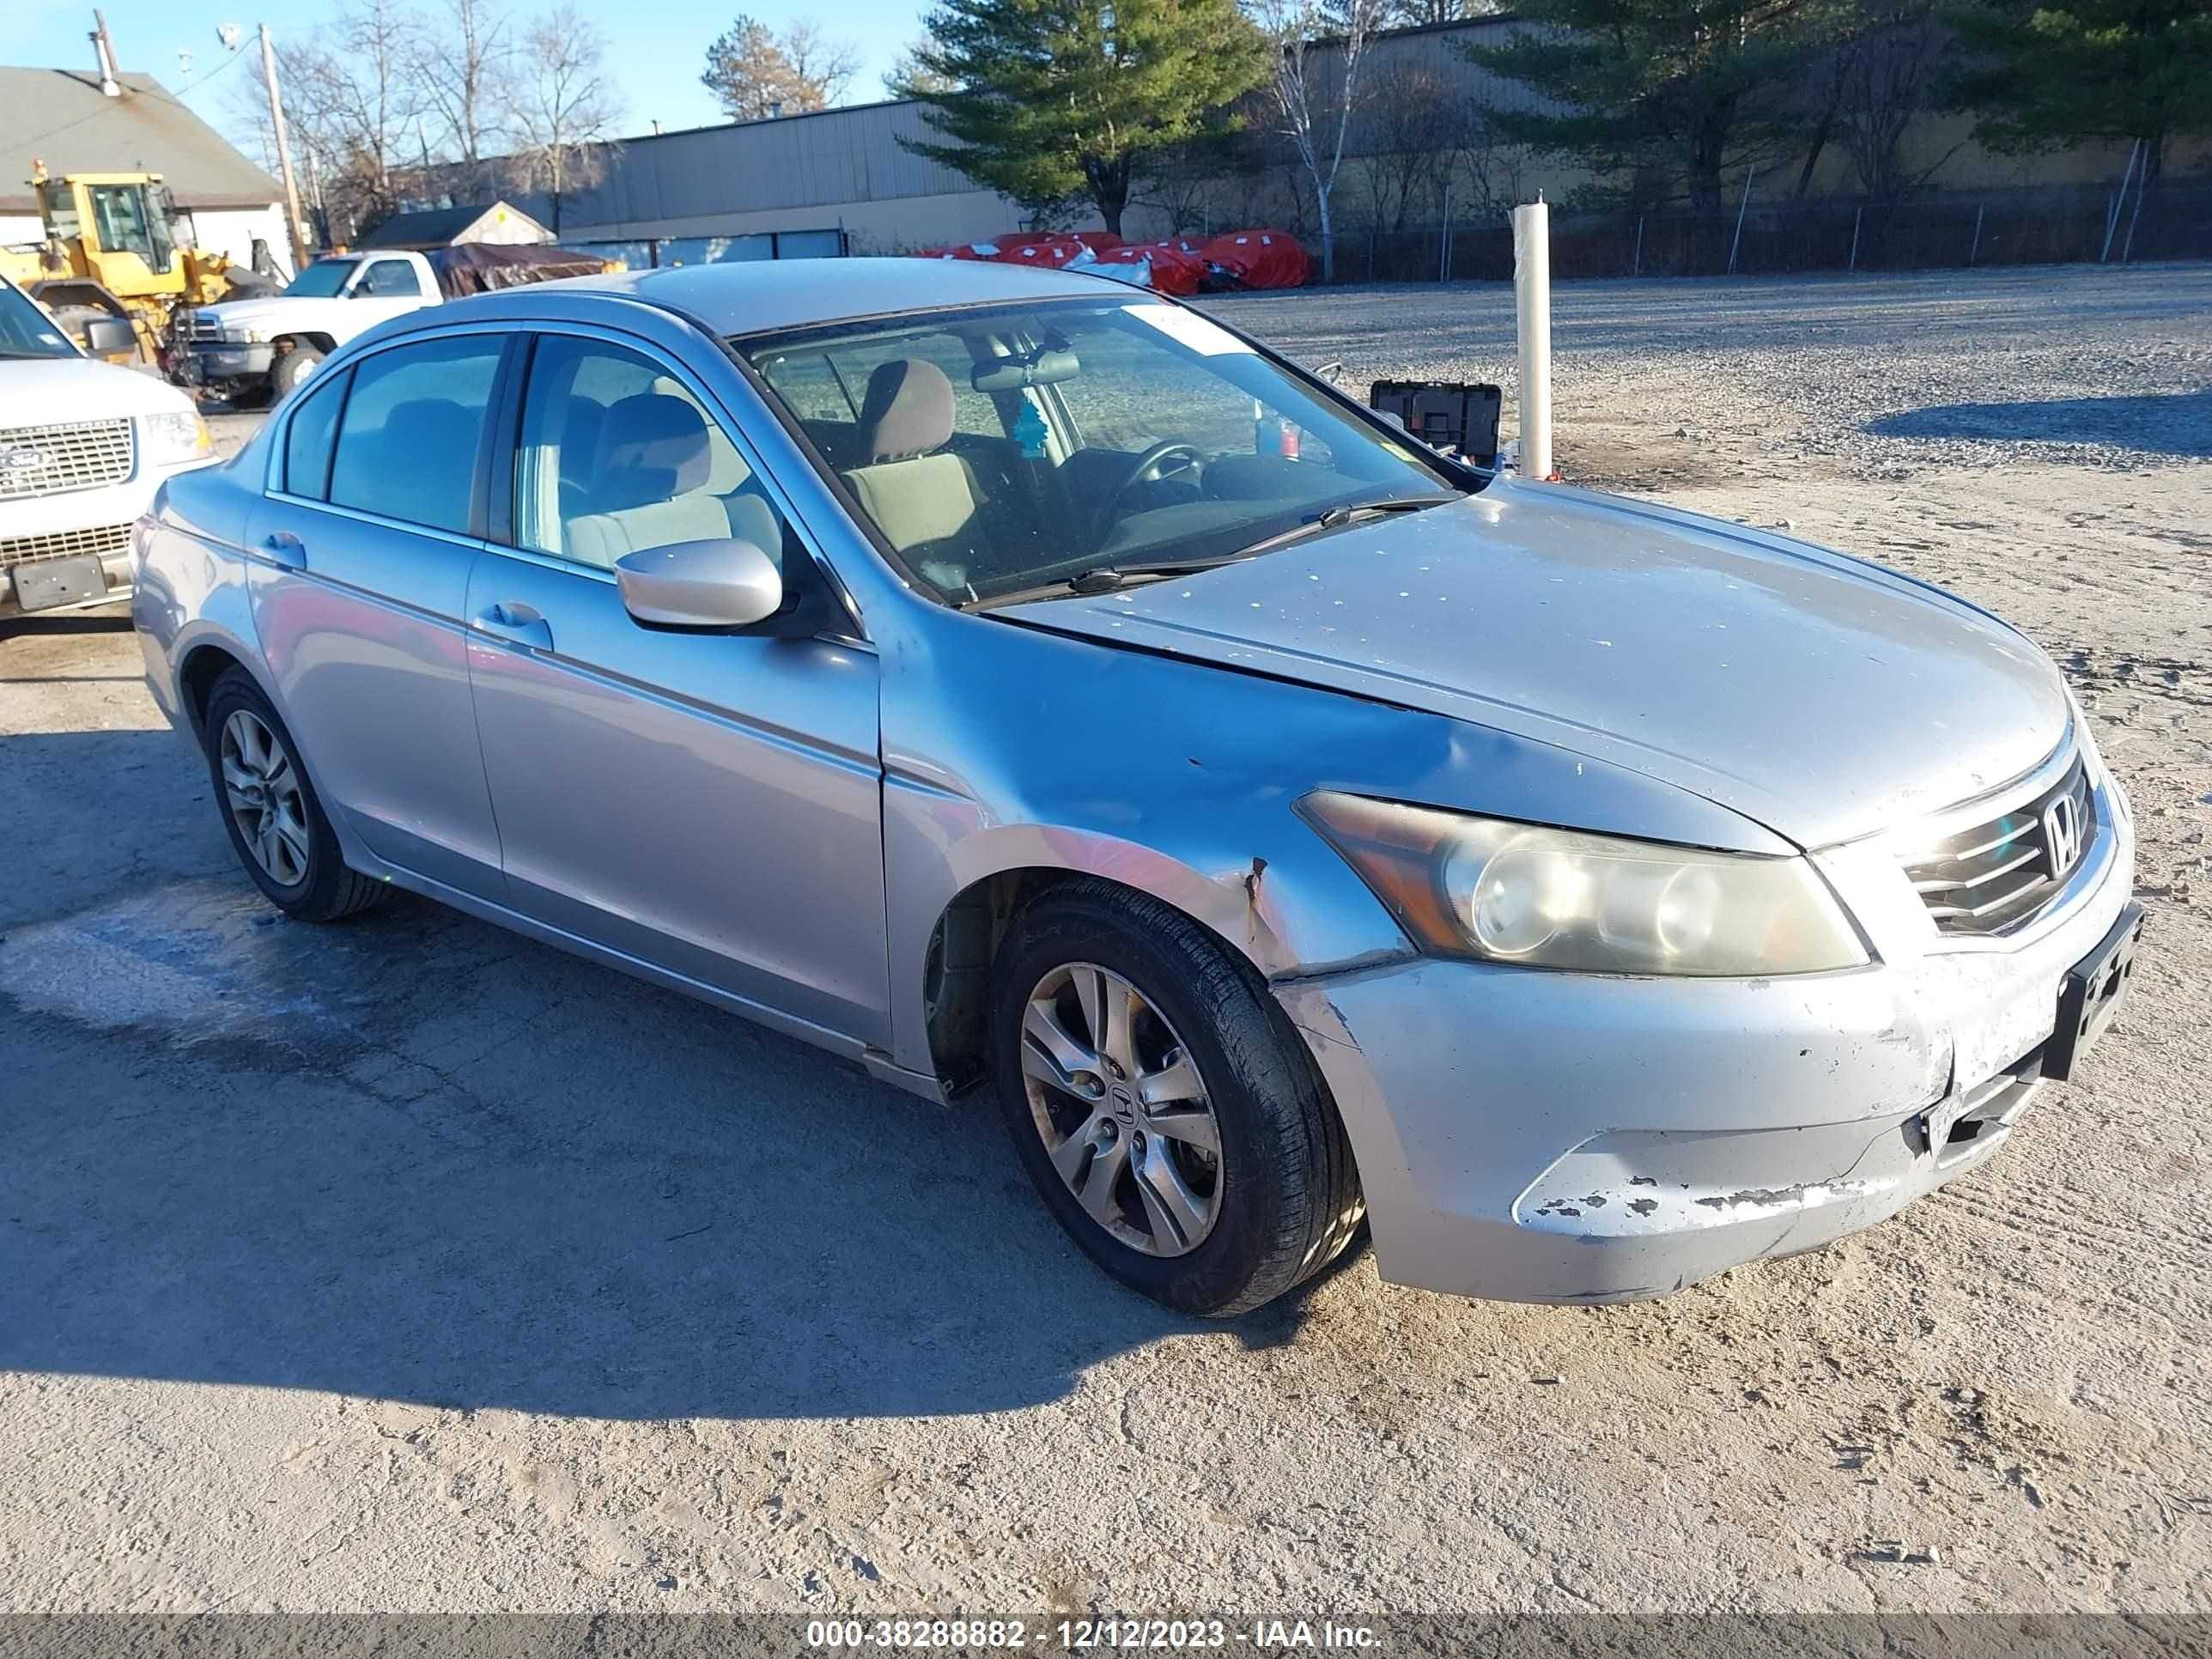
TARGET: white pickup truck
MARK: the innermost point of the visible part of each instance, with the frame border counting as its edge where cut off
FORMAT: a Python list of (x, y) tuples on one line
[(83, 447), (239, 348)]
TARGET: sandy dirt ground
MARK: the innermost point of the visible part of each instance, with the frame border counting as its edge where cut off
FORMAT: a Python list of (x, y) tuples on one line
[(407, 1265)]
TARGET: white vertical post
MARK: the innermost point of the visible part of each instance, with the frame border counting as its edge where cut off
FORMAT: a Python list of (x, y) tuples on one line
[(1744, 207), (2112, 219), (1532, 304)]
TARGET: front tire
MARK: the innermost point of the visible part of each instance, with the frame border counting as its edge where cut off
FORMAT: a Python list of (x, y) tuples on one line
[(277, 827), (290, 369), (1163, 1106)]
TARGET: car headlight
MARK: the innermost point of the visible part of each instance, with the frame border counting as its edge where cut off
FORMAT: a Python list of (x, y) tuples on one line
[(248, 337), (1519, 893), (172, 439)]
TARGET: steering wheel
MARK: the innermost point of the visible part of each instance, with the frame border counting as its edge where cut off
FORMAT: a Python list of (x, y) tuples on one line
[(1148, 468)]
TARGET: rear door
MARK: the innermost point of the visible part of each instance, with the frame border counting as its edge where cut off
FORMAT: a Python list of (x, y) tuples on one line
[(706, 803), (371, 519)]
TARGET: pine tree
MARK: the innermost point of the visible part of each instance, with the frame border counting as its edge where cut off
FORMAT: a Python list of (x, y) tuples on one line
[(1059, 102), (1696, 87), (2037, 75)]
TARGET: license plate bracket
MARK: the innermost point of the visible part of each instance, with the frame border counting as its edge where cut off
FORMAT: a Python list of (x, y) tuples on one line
[(2090, 995), (50, 582)]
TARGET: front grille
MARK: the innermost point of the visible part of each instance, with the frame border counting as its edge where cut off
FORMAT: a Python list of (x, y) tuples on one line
[(1998, 875), (198, 326), (64, 544), (38, 460)]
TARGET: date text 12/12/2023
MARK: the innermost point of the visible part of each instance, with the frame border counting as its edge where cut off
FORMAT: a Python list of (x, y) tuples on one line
[(1084, 1635)]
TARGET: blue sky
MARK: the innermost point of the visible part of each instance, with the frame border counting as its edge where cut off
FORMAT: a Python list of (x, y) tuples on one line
[(654, 54)]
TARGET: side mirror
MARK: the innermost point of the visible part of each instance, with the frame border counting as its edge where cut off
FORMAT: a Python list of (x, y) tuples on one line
[(110, 337), (709, 584)]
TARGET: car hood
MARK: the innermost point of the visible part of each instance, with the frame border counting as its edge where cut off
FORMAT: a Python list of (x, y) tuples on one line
[(239, 311), (1821, 697), (63, 389)]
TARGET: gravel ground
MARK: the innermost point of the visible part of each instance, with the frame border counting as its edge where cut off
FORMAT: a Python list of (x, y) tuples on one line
[(409, 1266)]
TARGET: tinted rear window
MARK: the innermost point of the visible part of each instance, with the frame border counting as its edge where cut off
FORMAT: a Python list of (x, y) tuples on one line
[(308, 440), (407, 445)]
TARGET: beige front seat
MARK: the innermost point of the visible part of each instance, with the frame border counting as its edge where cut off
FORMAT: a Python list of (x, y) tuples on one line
[(915, 496), (649, 484)]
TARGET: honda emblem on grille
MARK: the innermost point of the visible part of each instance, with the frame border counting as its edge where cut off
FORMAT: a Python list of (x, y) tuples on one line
[(23, 459), (2061, 833)]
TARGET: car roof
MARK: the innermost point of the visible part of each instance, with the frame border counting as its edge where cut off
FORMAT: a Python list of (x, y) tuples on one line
[(766, 296)]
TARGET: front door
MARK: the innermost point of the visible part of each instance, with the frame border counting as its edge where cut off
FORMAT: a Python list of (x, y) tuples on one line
[(367, 534), (706, 803)]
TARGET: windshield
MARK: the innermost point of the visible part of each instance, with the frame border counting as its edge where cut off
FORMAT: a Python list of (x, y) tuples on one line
[(1003, 449), (323, 279), (28, 331)]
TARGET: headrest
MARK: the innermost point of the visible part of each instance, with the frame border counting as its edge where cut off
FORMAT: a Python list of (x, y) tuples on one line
[(907, 409), (653, 447)]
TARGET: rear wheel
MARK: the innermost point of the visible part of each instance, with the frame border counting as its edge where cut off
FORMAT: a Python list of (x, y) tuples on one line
[(1163, 1106), (277, 827)]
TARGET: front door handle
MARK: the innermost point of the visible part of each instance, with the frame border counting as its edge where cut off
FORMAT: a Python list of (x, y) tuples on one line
[(283, 547), (524, 624)]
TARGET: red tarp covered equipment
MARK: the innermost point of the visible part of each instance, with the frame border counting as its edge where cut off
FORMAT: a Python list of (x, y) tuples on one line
[(1260, 258)]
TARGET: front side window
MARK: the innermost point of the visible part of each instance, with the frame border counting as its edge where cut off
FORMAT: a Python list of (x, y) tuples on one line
[(996, 449), (616, 456), (409, 438), (391, 279), (119, 215), (26, 330)]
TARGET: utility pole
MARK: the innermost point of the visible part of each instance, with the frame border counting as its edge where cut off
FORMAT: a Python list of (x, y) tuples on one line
[(283, 154)]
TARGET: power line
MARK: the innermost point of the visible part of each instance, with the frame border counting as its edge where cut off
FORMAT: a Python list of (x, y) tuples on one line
[(156, 91)]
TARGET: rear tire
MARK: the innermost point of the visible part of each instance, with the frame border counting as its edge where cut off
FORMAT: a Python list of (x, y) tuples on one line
[(1209, 1232), (276, 825)]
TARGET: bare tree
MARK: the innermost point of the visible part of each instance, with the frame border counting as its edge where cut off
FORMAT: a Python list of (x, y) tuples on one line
[(825, 64), (466, 67), (567, 109), (1414, 125), (756, 72), (353, 98), (1315, 92), (1888, 78)]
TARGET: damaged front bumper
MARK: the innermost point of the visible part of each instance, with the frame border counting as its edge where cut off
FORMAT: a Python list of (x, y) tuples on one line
[(1536, 1136)]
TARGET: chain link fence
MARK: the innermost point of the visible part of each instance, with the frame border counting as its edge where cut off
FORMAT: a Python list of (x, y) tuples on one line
[(2055, 225)]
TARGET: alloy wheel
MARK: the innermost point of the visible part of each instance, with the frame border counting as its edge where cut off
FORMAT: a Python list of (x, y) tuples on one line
[(1124, 1115), (261, 786)]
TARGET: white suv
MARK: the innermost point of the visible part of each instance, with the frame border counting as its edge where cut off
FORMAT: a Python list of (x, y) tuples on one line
[(83, 447)]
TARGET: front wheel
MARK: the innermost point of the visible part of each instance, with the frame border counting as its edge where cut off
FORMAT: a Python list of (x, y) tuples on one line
[(290, 369), (1163, 1106)]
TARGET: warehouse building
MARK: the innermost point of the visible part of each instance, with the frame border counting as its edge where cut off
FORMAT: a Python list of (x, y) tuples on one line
[(1419, 153)]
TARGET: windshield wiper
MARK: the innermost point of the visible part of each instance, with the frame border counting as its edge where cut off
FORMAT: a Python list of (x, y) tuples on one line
[(1105, 578), (1332, 518)]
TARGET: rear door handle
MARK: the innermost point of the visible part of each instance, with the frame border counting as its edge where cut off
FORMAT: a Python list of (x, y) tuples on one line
[(283, 547), (524, 624)]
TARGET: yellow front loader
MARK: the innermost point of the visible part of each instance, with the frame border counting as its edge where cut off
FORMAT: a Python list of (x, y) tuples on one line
[(111, 249)]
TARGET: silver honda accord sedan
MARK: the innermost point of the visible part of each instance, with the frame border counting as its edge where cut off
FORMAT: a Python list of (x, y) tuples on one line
[(1011, 680)]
